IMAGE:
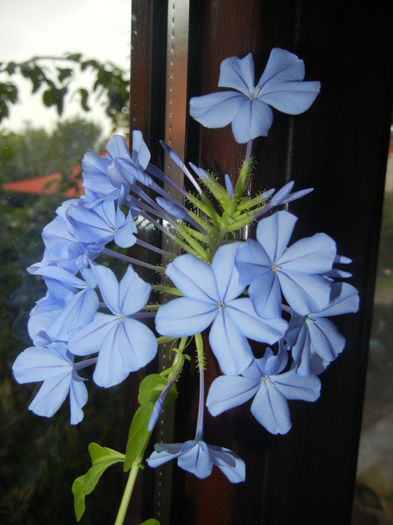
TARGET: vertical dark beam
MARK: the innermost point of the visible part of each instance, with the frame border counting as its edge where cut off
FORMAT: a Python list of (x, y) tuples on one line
[(147, 111)]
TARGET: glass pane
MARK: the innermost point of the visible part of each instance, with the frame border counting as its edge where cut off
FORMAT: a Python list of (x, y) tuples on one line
[(40, 155), (373, 504)]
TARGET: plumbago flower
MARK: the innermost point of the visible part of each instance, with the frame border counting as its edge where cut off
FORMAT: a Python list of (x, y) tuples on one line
[(123, 343), (211, 296), (262, 290), (248, 108), (271, 388), (55, 367)]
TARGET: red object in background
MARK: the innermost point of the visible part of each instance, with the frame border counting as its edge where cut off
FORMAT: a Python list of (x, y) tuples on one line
[(46, 184), (49, 184)]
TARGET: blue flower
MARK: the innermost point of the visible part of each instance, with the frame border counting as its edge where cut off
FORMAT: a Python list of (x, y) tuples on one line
[(271, 388), (123, 343), (211, 296), (53, 365), (248, 108), (314, 340), (197, 457), (270, 267), (102, 223), (71, 309)]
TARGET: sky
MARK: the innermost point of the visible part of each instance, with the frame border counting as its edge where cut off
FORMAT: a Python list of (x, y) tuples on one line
[(97, 28)]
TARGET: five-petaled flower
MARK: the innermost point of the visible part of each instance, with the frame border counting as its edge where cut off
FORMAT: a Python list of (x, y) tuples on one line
[(211, 296), (281, 86)]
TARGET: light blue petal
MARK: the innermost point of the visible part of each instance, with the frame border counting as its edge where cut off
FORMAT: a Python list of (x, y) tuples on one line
[(134, 292), (238, 73), (117, 147), (304, 293), (38, 324), (195, 458), (88, 339), (217, 109), (251, 261), (110, 369), (301, 351), (227, 392), (272, 363), (314, 254), (39, 364), (274, 232), (345, 300), (194, 278), (137, 344), (171, 208), (271, 410), (326, 341), (229, 463), (250, 324), (108, 286), (163, 455), (294, 386), (140, 152), (51, 395), (292, 98), (253, 119), (226, 273), (124, 236), (282, 66), (77, 313), (78, 399), (265, 294), (229, 345), (184, 316)]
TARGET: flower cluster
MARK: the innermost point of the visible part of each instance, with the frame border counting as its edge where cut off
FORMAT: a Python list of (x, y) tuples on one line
[(266, 289)]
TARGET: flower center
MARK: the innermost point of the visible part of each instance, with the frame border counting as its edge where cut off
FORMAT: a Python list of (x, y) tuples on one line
[(266, 379), (220, 305), (122, 317), (274, 267)]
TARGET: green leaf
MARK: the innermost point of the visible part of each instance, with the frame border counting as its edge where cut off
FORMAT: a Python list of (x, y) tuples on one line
[(101, 459), (138, 435), (151, 521), (84, 98), (63, 73), (152, 386)]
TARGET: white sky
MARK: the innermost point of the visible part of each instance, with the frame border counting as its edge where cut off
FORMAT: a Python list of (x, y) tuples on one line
[(97, 28)]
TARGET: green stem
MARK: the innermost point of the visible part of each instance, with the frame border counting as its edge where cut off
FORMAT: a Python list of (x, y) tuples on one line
[(135, 468)]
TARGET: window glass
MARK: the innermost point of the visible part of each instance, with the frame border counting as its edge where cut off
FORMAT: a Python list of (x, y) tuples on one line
[(75, 57), (373, 502)]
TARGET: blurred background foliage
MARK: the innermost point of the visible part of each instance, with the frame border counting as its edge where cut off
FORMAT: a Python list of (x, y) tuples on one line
[(40, 458)]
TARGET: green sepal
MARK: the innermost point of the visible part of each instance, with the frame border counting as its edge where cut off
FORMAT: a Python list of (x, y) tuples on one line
[(164, 339), (170, 290), (151, 387), (151, 521), (138, 435), (101, 459), (243, 179), (216, 189), (241, 222), (203, 204)]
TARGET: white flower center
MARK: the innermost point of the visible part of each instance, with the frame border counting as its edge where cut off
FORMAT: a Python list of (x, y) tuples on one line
[(220, 305)]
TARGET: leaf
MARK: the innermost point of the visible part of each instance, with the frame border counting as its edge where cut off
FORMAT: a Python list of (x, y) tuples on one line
[(151, 521), (74, 57), (151, 387), (138, 435), (63, 73), (101, 459), (84, 98)]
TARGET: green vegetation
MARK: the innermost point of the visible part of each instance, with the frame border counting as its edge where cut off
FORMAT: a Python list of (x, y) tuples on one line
[(39, 458)]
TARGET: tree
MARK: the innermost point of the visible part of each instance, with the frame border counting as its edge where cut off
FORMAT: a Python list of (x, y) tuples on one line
[(56, 78)]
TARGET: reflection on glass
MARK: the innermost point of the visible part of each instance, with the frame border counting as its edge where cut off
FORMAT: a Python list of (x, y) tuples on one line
[(373, 504), (40, 156)]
